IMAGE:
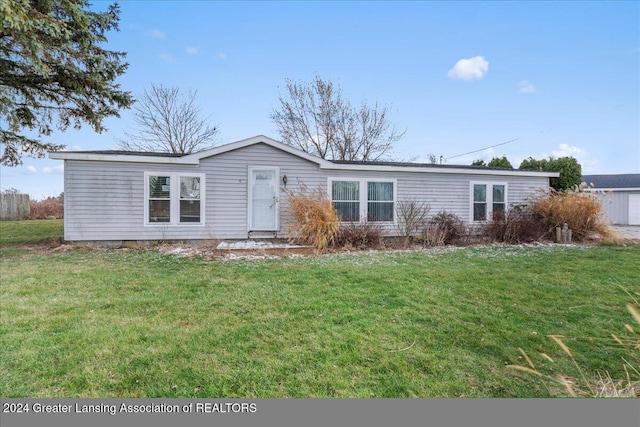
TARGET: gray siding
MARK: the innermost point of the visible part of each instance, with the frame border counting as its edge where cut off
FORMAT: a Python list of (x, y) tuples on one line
[(615, 205), (105, 200), (227, 186), (449, 192)]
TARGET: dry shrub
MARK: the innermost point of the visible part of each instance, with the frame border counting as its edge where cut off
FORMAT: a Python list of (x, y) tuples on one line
[(360, 236), (443, 228), (315, 221), (580, 210), (515, 226), (412, 217), (49, 208)]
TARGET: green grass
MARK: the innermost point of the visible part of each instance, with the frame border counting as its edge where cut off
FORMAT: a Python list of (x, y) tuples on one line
[(29, 232), (137, 323)]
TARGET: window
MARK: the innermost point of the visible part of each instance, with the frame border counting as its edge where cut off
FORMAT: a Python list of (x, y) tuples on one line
[(166, 205), (159, 199), (487, 199), (346, 199), (379, 201), (355, 200), (189, 199)]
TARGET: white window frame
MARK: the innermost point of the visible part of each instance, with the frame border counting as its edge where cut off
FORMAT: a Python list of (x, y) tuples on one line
[(489, 185), (364, 196), (174, 199)]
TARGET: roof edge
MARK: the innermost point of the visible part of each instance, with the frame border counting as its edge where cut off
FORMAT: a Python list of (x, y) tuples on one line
[(439, 169), (195, 158), (123, 158)]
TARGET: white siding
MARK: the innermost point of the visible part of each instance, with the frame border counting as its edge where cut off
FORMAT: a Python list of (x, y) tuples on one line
[(105, 200)]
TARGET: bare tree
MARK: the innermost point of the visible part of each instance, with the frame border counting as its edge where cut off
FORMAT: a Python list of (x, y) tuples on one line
[(170, 122), (318, 120)]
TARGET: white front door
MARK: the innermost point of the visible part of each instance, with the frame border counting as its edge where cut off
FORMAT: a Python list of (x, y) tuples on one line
[(263, 198)]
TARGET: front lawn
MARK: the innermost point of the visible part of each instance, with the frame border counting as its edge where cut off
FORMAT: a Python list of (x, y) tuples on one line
[(435, 323)]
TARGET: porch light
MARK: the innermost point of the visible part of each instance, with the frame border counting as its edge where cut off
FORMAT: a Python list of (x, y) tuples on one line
[(284, 181)]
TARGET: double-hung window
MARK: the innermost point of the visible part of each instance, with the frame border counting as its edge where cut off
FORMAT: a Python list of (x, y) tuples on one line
[(487, 199), (380, 201), (174, 198), (345, 196), (159, 209), (356, 200)]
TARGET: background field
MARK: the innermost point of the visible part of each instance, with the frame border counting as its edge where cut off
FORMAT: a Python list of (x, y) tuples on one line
[(432, 323)]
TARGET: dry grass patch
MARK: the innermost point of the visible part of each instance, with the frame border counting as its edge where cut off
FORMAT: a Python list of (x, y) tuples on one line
[(316, 222)]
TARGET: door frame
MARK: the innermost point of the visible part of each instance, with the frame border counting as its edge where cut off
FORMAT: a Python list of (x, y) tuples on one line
[(276, 178)]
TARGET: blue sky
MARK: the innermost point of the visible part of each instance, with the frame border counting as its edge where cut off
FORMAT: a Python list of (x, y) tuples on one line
[(560, 78)]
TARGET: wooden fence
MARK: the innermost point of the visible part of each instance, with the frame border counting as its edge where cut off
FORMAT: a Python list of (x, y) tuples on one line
[(14, 206)]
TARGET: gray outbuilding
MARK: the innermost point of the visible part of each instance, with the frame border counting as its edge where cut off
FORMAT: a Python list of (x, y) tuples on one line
[(620, 196)]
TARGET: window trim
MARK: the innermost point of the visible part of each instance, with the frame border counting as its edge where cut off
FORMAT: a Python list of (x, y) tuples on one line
[(489, 199), (174, 199), (364, 196)]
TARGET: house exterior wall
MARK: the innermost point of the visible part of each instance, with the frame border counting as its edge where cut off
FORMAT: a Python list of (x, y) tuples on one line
[(228, 187), (450, 192), (106, 200)]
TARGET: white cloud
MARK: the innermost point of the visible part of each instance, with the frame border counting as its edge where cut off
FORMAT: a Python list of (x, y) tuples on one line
[(32, 169), (469, 69), (191, 50), (166, 57), (222, 55), (526, 86), (566, 150), (157, 34)]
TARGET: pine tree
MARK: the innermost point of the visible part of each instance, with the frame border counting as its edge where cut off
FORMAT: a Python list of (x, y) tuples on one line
[(54, 72)]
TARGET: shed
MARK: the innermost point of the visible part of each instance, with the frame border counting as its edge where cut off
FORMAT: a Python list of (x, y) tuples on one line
[(620, 196)]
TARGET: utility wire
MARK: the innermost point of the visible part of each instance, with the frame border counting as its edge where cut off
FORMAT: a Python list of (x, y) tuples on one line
[(482, 149)]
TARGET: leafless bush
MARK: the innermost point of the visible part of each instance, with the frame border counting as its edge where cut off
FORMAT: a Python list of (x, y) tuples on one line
[(364, 235), (411, 216), (51, 207), (515, 226), (443, 228)]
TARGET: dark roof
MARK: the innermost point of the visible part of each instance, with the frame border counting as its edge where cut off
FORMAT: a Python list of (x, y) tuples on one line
[(131, 153), (629, 180), (415, 165), (338, 162)]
